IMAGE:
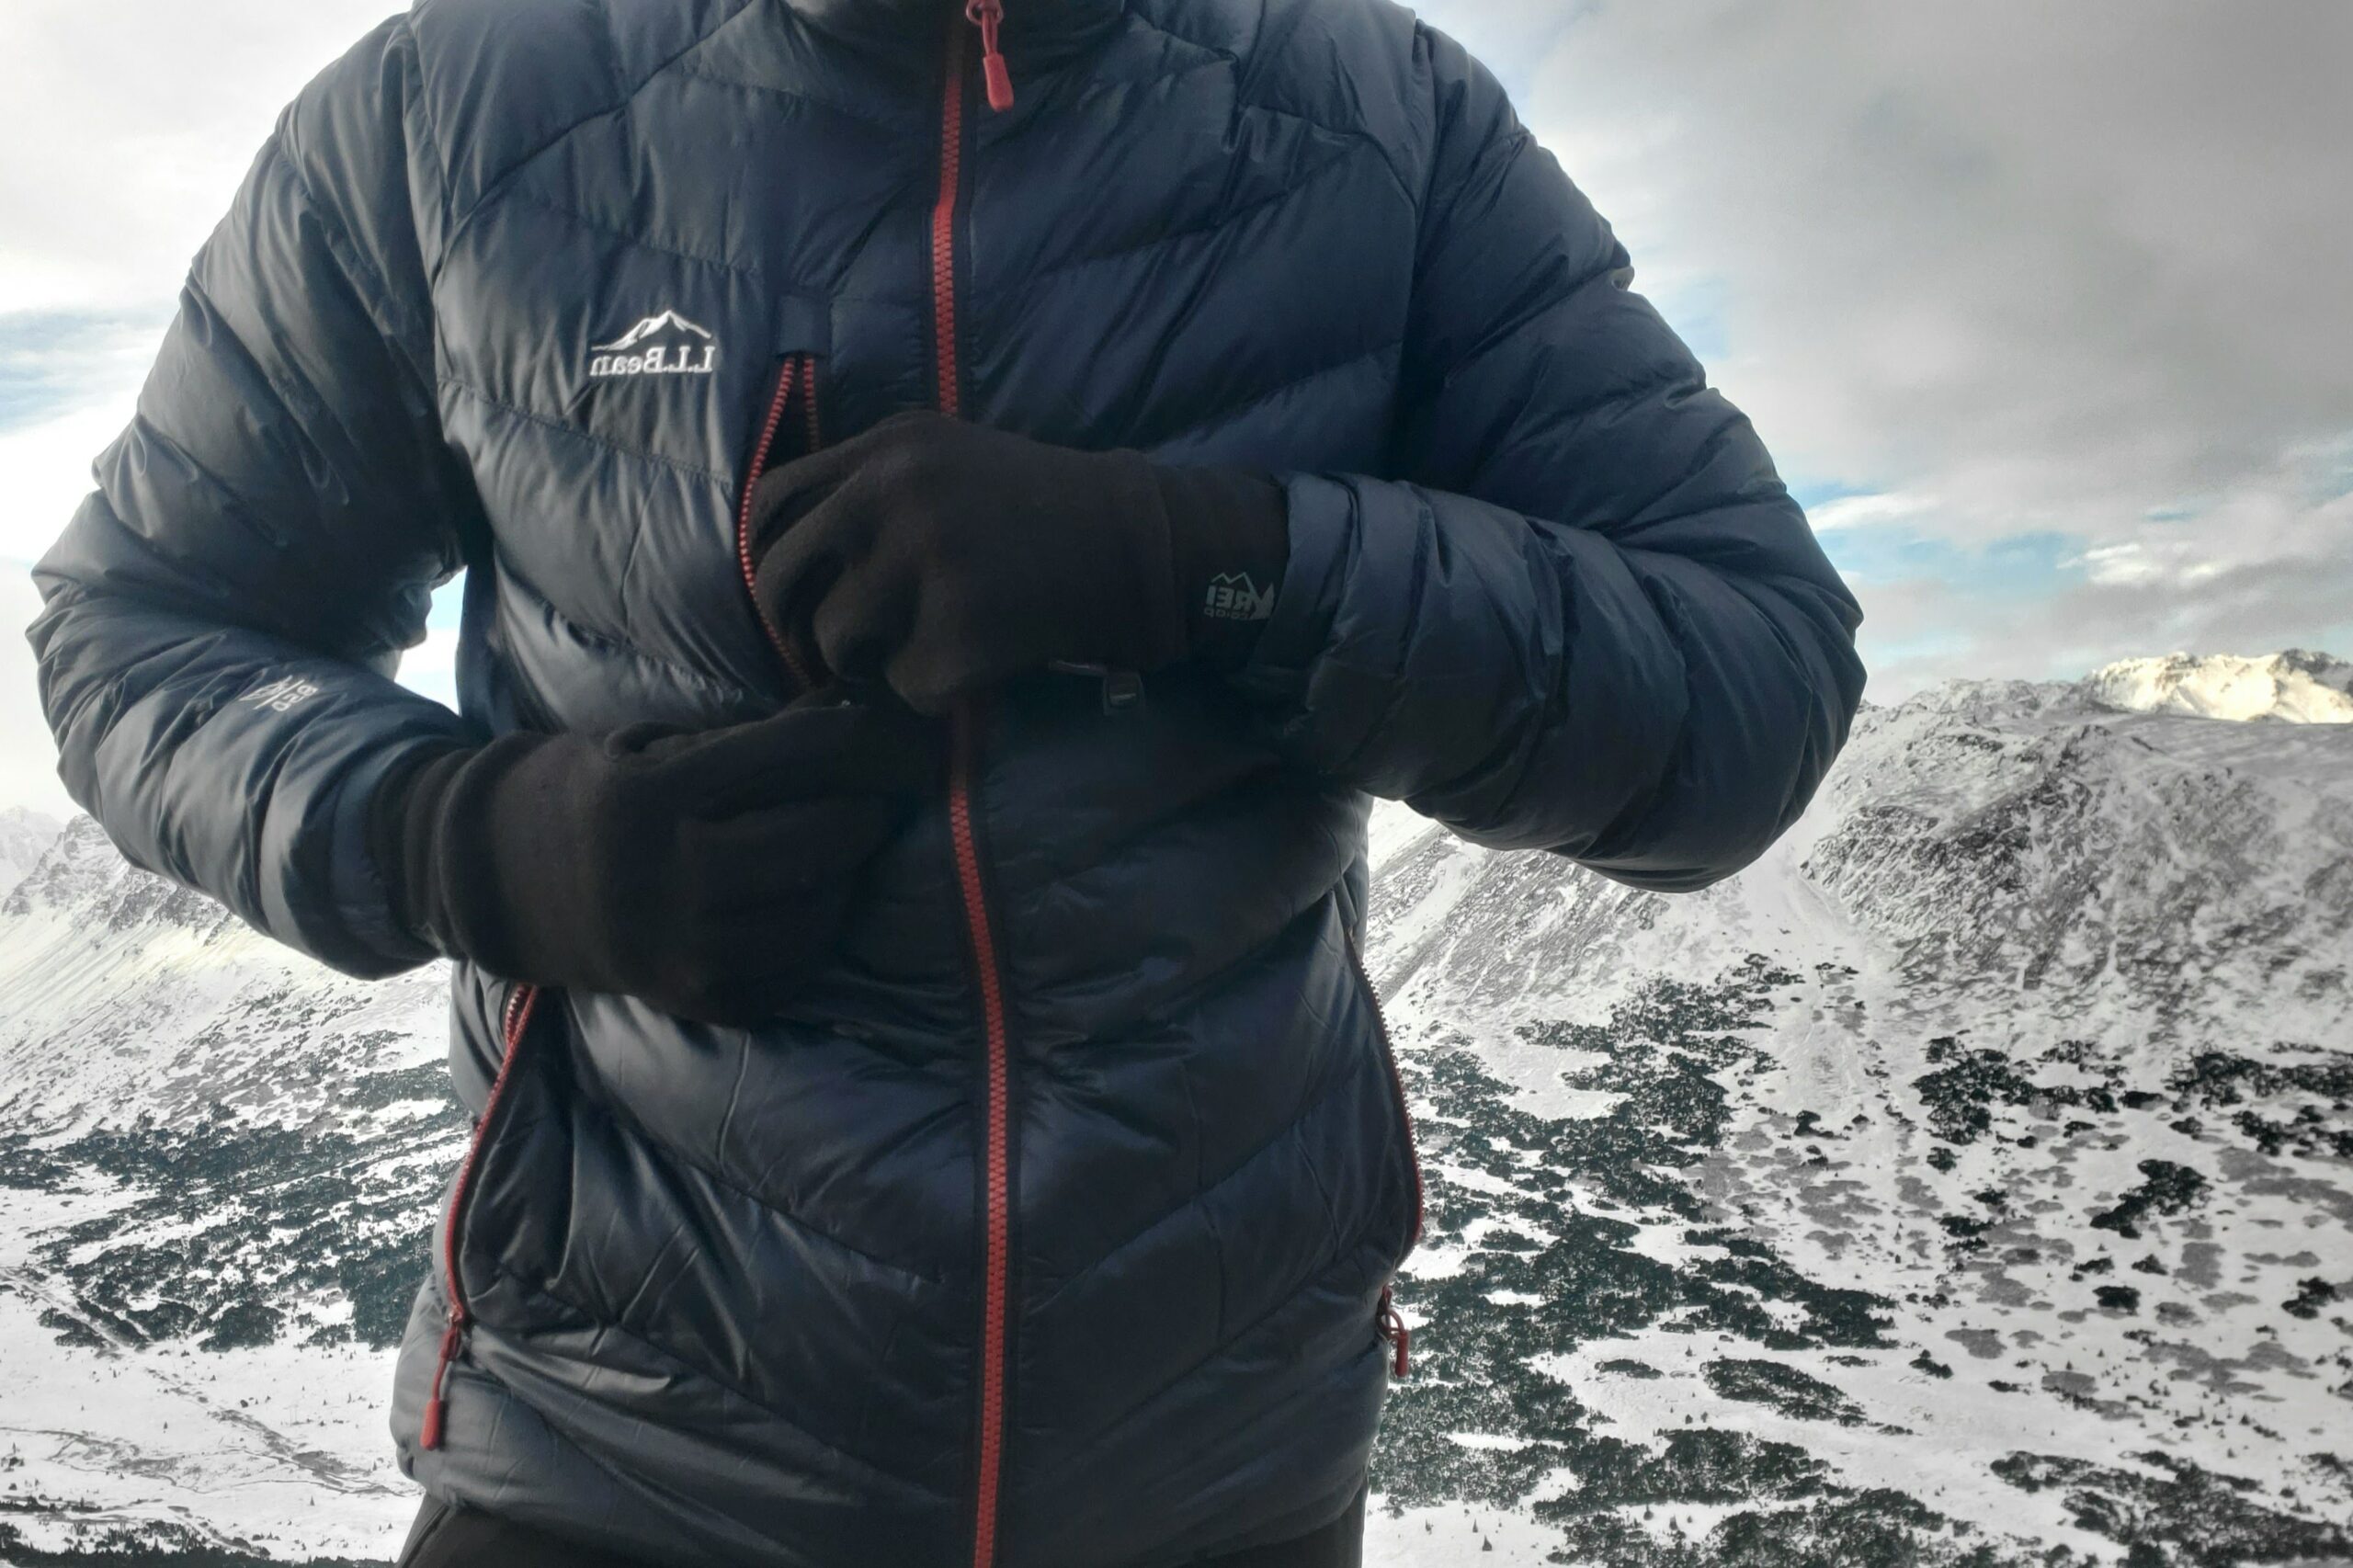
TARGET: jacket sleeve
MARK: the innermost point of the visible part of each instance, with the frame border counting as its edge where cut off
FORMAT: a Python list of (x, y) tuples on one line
[(221, 618), (1581, 612)]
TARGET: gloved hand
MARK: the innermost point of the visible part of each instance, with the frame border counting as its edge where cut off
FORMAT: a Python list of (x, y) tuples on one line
[(942, 557), (704, 872)]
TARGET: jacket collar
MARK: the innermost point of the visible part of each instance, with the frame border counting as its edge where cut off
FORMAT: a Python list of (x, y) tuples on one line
[(1037, 32)]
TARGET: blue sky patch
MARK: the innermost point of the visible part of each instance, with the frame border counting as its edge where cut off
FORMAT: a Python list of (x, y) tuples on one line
[(2025, 565), (53, 362), (1812, 491)]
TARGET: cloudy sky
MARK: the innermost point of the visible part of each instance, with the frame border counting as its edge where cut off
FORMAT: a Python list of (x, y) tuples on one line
[(2045, 310)]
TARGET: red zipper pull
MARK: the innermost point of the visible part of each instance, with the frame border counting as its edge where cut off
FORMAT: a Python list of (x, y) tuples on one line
[(436, 1407), (1393, 1329), (985, 15)]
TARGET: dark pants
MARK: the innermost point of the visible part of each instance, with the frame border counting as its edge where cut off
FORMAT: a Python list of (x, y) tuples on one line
[(449, 1537)]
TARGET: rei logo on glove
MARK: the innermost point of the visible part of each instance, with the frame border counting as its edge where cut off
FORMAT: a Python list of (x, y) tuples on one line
[(1233, 596), (663, 344)]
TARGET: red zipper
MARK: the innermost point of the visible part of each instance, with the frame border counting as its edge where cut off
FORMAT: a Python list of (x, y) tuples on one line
[(1393, 1325), (515, 1019), (816, 434), (787, 375), (996, 1141), (946, 392), (996, 1115)]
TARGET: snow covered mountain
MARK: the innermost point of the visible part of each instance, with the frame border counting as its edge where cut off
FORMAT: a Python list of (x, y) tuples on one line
[(217, 1167), (1973, 1175), (25, 837), (2296, 687), (1969, 1183)]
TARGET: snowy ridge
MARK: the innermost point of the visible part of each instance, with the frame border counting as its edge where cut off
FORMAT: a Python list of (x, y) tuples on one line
[(171, 1007), (2005, 845), (2295, 687)]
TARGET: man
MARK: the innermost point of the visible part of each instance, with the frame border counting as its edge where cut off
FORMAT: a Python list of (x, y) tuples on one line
[(962, 510)]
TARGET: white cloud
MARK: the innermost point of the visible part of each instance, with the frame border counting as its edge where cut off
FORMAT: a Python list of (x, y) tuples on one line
[(2056, 253), (2011, 267), (128, 126), (1880, 507), (48, 465)]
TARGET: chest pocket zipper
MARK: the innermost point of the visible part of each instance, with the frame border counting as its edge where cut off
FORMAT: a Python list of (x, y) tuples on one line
[(796, 373)]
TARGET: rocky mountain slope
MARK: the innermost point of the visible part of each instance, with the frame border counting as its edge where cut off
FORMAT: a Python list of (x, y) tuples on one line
[(1970, 1182), (217, 1167)]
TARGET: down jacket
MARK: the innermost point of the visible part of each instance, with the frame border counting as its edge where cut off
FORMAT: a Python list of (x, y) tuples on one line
[(1051, 1226)]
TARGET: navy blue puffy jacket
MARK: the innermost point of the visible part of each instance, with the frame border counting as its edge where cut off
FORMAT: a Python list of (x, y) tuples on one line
[(1050, 1227)]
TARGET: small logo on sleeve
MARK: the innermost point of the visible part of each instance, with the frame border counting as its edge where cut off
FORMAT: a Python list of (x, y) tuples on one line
[(663, 344), (1233, 596), (282, 695)]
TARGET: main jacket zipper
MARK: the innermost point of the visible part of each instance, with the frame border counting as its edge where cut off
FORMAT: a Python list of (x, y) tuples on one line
[(994, 1152), (994, 1142), (513, 1020)]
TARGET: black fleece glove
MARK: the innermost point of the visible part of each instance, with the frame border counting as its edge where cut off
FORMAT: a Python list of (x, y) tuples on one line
[(706, 872), (942, 557)]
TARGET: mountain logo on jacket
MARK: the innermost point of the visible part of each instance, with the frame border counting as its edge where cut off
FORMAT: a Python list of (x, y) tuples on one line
[(1233, 596), (666, 344)]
